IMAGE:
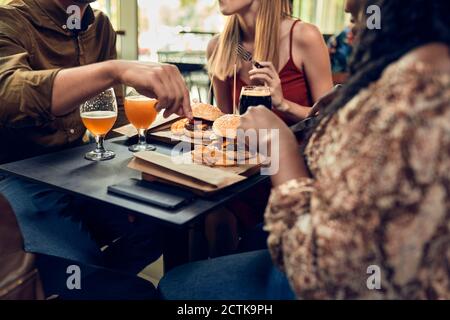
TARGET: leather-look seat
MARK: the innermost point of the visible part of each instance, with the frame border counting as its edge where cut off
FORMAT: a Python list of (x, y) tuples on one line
[(19, 278)]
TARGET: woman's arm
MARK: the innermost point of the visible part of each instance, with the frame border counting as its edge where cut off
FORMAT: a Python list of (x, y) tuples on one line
[(221, 88), (310, 49), (311, 52), (222, 95), (268, 75), (291, 164)]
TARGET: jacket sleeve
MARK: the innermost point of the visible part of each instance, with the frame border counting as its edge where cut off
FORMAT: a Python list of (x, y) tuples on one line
[(25, 93), (288, 204)]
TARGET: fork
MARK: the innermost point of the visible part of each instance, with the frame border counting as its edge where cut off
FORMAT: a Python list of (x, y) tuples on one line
[(247, 56)]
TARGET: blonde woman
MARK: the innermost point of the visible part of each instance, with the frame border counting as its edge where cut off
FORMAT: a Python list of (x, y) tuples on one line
[(294, 56), (297, 69)]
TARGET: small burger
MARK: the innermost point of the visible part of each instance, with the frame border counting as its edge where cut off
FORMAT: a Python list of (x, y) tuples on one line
[(226, 126), (200, 127), (211, 156), (224, 149), (225, 133)]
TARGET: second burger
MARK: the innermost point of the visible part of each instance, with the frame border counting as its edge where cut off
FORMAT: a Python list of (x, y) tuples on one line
[(200, 127)]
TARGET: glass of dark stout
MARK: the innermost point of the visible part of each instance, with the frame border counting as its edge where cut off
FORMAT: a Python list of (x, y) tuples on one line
[(252, 96)]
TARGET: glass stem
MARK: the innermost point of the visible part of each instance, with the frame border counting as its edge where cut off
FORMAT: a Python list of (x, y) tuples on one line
[(99, 141), (142, 137)]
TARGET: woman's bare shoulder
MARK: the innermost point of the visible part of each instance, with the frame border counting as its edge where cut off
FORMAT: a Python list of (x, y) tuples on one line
[(306, 34)]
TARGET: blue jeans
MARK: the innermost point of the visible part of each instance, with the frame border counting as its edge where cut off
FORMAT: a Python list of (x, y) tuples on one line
[(96, 283), (59, 225), (246, 276)]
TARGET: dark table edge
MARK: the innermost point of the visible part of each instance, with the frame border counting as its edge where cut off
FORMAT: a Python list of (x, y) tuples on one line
[(157, 220)]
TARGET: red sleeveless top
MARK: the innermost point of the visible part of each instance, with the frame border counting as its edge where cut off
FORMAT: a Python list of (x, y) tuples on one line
[(293, 81)]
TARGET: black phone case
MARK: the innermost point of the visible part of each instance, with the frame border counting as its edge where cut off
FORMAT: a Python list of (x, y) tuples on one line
[(152, 193)]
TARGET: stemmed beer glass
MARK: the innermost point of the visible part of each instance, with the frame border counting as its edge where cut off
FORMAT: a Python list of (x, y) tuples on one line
[(141, 112), (99, 115)]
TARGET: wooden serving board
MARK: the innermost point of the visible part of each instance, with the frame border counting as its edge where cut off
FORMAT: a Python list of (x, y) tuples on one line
[(199, 179)]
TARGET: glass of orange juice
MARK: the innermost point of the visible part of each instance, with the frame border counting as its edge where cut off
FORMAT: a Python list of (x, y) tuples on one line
[(141, 112), (99, 115)]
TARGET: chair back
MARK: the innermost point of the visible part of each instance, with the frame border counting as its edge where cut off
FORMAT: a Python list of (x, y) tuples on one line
[(19, 278)]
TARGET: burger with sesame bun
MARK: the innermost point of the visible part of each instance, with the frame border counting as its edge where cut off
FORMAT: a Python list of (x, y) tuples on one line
[(224, 149), (200, 127)]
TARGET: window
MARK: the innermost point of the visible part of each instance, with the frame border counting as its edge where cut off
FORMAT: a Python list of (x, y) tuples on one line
[(171, 26), (111, 8), (328, 15)]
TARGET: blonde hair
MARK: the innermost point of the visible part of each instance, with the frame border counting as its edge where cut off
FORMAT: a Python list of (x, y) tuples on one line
[(267, 34)]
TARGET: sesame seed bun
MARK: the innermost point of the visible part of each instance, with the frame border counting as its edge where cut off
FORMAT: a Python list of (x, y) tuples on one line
[(206, 111), (226, 126)]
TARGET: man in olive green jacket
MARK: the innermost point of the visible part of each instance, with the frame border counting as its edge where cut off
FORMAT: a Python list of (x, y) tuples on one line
[(48, 68)]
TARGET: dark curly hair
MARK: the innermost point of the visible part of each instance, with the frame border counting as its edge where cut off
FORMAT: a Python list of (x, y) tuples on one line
[(406, 25)]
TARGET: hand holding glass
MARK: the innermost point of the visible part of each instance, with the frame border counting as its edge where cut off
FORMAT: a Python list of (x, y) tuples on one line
[(252, 96)]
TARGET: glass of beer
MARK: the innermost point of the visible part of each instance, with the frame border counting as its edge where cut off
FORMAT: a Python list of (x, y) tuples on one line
[(141, 112), (252, 96), (99, 115)]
